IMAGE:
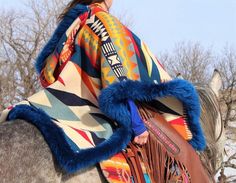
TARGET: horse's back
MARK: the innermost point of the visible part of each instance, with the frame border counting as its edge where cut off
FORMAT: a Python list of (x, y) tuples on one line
[(24, 155)]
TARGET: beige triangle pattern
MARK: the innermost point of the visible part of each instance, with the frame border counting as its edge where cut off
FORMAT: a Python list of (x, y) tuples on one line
[(73, 83), (40, 98), (74, 136)]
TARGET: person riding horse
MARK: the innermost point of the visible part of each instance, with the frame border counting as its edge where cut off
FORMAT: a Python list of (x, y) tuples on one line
[(104, 88)]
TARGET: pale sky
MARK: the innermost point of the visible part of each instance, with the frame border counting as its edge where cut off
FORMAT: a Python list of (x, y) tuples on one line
[(162, 23)]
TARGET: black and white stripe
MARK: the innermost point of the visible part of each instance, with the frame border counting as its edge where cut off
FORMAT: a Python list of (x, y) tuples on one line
[(108, 48)]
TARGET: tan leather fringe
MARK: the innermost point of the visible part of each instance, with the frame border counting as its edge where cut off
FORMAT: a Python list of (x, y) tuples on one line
[(162, 165)]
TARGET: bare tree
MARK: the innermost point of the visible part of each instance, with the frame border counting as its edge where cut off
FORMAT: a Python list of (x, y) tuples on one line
[(227, 65), (189, 59), (21, 38)]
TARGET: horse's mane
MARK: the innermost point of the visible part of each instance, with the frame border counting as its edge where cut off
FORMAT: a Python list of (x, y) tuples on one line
[(210, 111)]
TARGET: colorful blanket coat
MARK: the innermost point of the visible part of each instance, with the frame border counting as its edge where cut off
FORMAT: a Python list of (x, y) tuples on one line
[(90, 67)]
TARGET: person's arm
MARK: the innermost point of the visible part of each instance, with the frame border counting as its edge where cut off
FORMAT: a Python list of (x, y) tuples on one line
[(137, 123), (116, 61), (139, 129)]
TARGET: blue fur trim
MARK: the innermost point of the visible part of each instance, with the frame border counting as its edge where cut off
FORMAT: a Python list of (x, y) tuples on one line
[(69, 160), (58, 33), (118, 93), (113, 102)]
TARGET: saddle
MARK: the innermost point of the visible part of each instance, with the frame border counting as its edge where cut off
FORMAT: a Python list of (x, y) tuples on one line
[(166, 158)]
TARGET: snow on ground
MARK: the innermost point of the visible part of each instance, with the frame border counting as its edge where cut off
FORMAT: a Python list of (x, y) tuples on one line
[(230, 148)]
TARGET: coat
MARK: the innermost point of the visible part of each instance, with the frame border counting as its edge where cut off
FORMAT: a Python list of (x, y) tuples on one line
[(89, 69)]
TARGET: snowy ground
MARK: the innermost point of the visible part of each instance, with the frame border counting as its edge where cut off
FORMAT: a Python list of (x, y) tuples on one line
[(230, 149)]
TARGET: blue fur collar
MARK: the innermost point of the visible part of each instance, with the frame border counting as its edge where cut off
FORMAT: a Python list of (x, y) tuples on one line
[(58, 33), (113, 102)]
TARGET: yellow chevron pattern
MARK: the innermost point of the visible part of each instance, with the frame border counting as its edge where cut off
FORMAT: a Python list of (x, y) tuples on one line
[(123, 43)]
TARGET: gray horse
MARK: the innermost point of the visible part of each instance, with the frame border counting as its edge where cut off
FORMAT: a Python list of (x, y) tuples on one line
[(212, 124), (25, 156)]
